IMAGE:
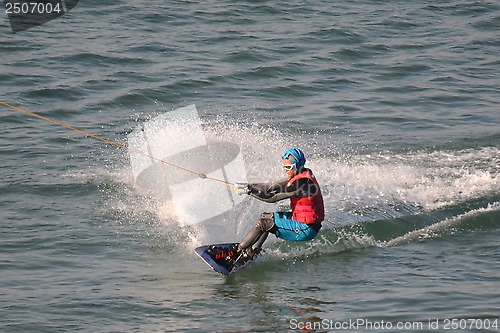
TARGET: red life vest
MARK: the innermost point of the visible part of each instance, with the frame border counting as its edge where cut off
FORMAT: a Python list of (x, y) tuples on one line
[(308, 210)]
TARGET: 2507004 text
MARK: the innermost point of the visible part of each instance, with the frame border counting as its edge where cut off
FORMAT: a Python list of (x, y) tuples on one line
[(32, 8), (467, 324)]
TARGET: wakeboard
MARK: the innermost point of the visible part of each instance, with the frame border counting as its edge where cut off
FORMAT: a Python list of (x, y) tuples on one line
[(220, 265)]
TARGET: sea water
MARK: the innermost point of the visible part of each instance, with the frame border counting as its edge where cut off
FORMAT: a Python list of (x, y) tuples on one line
[(395, 104)]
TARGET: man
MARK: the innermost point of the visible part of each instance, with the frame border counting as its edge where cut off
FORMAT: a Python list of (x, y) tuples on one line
[(301, 224)]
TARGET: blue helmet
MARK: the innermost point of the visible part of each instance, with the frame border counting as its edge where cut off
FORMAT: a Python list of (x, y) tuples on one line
[(298, 158)]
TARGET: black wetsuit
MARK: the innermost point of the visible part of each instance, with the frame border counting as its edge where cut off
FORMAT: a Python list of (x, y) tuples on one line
[(302, 187), (278, 191)]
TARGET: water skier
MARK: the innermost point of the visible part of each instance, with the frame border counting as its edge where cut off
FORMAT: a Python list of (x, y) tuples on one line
[(301, 224)]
